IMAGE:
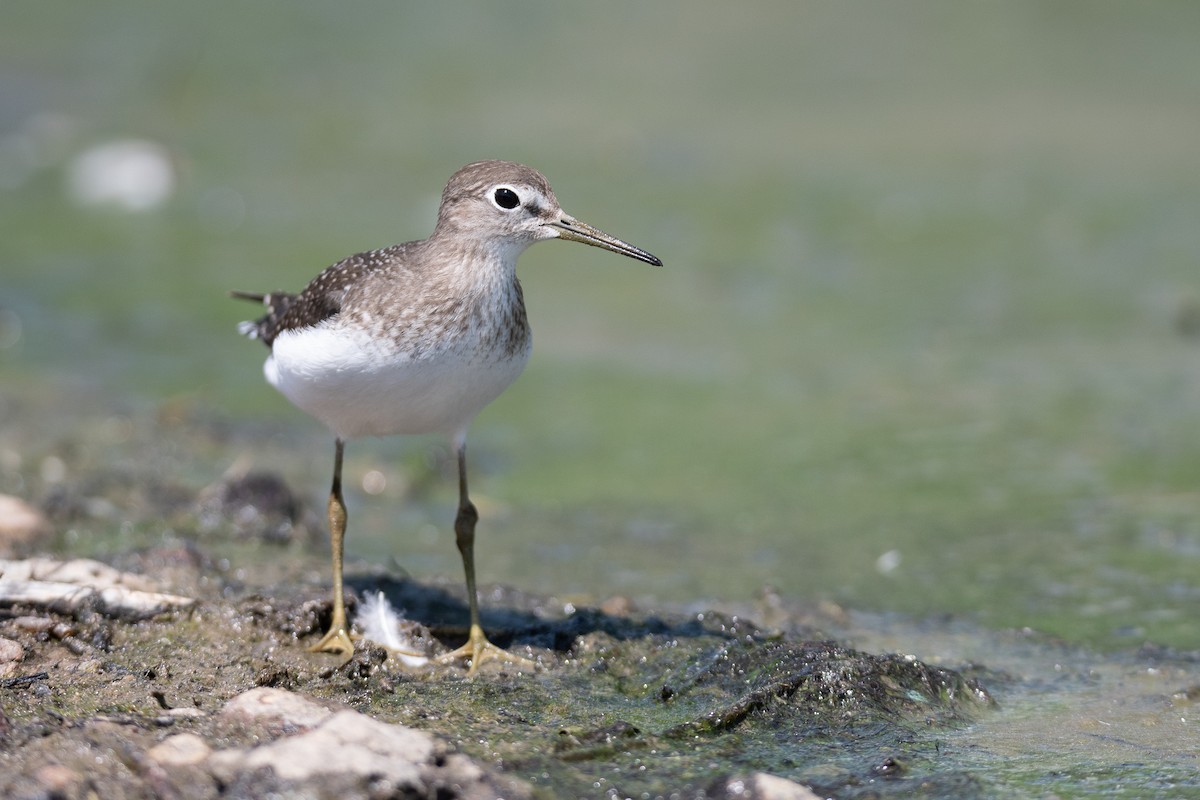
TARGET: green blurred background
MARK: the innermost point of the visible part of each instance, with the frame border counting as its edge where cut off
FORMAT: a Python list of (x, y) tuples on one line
[(927, 339)]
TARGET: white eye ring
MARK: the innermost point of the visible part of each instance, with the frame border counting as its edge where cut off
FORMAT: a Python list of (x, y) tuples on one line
[(505, 198)]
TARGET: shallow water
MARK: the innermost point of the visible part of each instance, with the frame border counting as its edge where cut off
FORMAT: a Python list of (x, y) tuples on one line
[(1070, 722), (925, 341)]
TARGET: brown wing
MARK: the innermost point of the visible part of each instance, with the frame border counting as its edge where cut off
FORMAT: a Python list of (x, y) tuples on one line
[(319, 301)]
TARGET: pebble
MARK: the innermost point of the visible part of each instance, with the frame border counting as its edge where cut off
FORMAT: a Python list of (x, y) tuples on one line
[(57, 780), (617, 606), (181, 750), (764, 786), (32, 624), (20, 524), (336, 745), (348, 742), (11, 654), (278, 704)]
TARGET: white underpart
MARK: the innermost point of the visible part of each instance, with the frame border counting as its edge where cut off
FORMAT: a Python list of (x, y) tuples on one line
[(363, 386)]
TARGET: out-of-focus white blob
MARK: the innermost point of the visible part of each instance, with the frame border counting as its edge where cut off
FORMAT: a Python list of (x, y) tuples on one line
[(131, 174), (887, 563)]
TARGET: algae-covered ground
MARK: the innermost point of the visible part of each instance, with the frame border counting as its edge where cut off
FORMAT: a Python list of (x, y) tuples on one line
[(640, 704)]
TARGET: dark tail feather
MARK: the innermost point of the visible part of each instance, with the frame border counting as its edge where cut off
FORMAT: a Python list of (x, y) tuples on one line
[(265, 327)]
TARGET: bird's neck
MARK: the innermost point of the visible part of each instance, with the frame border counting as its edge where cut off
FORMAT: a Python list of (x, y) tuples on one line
[(480, 258)]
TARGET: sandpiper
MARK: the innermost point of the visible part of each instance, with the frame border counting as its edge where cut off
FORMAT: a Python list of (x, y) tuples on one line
[(417, 338)]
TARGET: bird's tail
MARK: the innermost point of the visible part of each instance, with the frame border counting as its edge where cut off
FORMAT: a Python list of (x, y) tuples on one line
[(276, 303)]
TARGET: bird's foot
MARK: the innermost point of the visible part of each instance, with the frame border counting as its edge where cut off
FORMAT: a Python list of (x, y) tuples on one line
[(336, 641), (478, 650)]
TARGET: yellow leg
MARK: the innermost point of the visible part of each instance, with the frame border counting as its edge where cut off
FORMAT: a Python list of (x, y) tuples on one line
[(337, 640), (477, 649)]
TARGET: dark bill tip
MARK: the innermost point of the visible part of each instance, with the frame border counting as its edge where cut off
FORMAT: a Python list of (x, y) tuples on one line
[(572, 230)]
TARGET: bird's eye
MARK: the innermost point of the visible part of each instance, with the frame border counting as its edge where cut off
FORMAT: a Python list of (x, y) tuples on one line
[(506, 198)]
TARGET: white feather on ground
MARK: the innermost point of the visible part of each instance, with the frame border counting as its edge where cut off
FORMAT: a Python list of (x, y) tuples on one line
[(382, 624)]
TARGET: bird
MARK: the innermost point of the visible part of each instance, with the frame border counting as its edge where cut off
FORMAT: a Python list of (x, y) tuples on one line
[(417, 338)]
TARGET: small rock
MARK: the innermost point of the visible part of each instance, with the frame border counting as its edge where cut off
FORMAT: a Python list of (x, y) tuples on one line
[(10, 650), (32, 624), (348, 742), (71, 585), (11, 654), (20, 524), (286, 707), (617, 606), (57, 780), (81, 571), (181, 750), (343, 749), (764, 786), (257, 505)]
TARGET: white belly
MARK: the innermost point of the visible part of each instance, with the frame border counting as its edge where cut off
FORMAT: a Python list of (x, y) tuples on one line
[(359, 386)]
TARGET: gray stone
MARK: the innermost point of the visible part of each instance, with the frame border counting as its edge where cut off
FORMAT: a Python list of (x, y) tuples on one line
[(279, 705), (181, 750)]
